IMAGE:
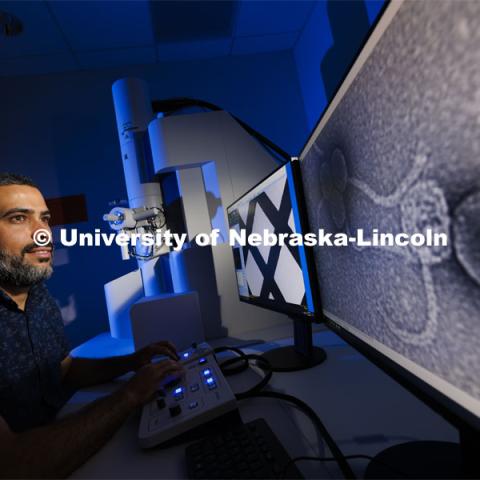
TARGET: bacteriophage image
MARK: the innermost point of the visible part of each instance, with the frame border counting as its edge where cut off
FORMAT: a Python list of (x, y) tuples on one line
[(400, 152)]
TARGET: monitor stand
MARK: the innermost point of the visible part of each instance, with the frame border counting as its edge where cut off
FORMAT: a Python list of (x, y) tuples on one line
[(429, 459), (301, 355)]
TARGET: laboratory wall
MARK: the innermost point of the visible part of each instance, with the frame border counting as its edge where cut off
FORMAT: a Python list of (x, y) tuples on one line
[(60, 130), (327, 46)]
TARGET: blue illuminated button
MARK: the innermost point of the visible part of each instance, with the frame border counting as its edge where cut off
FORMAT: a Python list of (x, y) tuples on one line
[(178, 393), (186, 355), (194, 387), (207, 372), (193, 405), (211, 383), (202, 360)]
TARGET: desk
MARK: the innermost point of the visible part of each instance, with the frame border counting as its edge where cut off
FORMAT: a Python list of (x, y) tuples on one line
[(364, 410)]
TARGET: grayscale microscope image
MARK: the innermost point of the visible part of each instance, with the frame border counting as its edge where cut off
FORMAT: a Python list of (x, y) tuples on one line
[(401, 153)]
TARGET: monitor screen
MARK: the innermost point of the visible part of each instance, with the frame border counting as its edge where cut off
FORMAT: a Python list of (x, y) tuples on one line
[(272, 276), (397, 151)]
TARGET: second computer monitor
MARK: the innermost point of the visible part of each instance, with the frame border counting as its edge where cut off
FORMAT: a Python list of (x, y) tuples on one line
[(280, 276), (272, 276)]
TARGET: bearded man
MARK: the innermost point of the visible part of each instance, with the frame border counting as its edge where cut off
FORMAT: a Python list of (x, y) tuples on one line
[(37, 372)]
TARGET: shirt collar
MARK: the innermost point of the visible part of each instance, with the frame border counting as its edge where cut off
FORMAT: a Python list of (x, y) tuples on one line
[(32, 293)]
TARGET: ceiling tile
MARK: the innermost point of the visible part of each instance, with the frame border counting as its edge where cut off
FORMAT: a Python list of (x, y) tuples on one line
[(38, 65), (194, 50), (96, 25), (186, 20), (264, 43), (116, 58), (40, 34), (271, 16)]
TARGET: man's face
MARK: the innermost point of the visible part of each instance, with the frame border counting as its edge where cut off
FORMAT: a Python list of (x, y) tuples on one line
[(22, 212)]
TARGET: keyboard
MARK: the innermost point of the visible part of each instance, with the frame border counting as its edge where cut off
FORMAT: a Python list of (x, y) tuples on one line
[(251, 450)]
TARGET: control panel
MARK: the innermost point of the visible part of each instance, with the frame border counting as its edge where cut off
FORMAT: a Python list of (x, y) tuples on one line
[(202, 395)]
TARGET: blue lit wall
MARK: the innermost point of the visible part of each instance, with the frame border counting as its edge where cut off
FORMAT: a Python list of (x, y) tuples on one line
[(60, 130), (328, 44)]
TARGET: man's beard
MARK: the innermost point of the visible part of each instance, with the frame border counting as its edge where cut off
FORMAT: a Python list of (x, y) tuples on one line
[(15, 272)]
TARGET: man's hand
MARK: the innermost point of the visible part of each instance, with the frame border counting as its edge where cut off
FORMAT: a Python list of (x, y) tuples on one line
[(144, 356), (59, 448), (141, 388), (84, 372)]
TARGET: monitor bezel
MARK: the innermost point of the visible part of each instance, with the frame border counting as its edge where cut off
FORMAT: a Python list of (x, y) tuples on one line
[(290, 309), (446, 407), (453, 412)]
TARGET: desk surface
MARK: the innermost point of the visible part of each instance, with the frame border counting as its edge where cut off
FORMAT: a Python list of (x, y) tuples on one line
[(364, 410)]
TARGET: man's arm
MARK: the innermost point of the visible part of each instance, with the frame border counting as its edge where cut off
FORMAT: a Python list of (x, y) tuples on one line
[(85, 372), (56, 450)]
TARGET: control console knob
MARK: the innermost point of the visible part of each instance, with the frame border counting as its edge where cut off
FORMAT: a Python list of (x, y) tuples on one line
[(175, 410)]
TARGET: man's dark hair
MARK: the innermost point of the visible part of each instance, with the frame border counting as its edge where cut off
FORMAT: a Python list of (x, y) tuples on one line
[(7, 178)]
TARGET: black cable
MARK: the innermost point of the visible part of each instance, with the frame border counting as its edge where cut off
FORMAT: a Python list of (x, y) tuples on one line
[(347, 457), (236, 350), (336, 452), (231, 361), (228, 366), (255, 391), (244, 359), (171, 105)]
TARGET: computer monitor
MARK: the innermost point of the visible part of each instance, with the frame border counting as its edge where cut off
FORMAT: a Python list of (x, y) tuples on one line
[(276, 274), (397, 151)]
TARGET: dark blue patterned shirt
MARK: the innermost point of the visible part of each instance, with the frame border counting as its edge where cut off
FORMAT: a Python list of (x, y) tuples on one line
[(32, 345)]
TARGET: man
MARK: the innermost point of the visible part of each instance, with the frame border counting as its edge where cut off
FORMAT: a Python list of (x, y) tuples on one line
[(36, 371)]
